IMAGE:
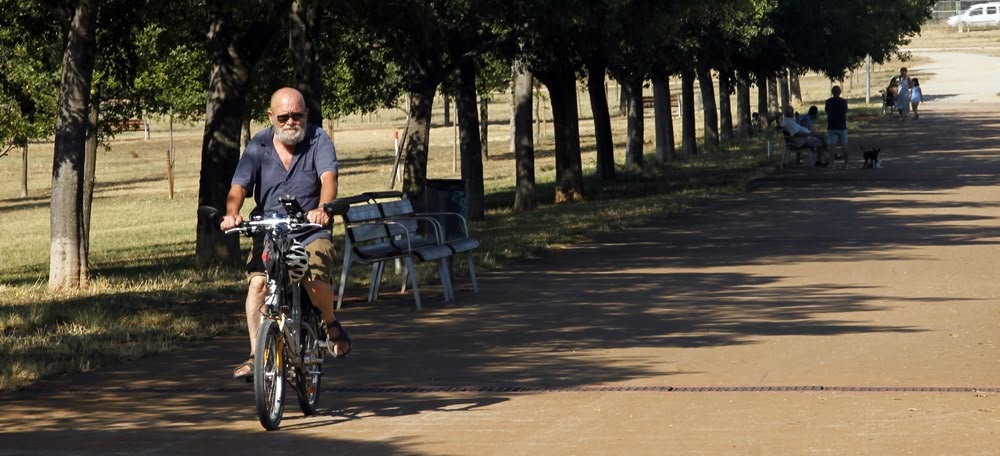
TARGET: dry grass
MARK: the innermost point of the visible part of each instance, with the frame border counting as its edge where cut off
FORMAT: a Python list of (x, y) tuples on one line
[(147, 296)]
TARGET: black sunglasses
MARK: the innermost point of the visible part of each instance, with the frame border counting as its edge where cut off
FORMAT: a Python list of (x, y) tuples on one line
[(296, 116)]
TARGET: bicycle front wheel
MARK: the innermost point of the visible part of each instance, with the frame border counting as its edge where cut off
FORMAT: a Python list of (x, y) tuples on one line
[(269, 375)]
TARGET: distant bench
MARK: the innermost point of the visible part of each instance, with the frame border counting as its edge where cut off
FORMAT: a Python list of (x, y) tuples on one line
[(675, 105), (383, 226), (131, 125)]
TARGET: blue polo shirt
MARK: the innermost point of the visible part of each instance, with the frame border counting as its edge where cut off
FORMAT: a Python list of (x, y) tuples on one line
[(262, 174)]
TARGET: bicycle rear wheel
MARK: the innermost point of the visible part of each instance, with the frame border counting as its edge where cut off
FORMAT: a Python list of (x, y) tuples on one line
[(269, 375), (307, 377)]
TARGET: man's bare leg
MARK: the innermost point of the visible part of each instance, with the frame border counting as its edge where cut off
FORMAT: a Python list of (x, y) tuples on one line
[(256, 292), (321, 294)]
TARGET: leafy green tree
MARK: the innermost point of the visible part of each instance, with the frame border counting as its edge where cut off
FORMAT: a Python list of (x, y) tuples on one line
[(29, 78), (411, 33), (646, 27), (304, 25), (239, 32), (834, 37), (173, 79), (360, 75), (550, 34)]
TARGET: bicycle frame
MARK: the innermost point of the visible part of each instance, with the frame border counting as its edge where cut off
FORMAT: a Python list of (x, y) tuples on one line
[(285, 309)]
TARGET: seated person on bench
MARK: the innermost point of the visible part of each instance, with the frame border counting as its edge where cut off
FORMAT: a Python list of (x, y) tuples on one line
[(799, 136), (808, 119)]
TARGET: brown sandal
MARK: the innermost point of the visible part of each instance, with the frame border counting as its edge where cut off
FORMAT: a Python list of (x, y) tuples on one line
[(341, 336), (245, 370)]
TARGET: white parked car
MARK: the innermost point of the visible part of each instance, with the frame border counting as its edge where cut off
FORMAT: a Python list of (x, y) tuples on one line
[(982, 15)]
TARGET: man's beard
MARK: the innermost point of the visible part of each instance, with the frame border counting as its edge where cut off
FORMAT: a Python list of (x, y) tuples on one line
[(290, 136)]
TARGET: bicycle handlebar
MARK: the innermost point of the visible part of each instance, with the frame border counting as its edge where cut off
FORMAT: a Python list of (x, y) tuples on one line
[(251, 227), (294, 221)]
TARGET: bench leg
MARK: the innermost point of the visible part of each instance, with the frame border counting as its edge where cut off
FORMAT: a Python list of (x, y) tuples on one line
[(378, 269), (343, 277), (411, 270), (472, 272), (445, 272)]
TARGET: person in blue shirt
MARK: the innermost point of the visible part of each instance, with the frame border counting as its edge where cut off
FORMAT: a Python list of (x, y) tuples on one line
[(808, 119), (291, 157), (799, 136)]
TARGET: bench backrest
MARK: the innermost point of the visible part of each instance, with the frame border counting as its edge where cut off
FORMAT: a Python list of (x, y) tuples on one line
[(356, 227), (399, 208)]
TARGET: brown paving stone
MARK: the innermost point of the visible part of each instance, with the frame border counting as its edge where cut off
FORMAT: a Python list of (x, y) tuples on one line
[(827, 312)]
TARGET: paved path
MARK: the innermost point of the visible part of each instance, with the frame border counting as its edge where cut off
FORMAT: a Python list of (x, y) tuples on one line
[(827, 312)]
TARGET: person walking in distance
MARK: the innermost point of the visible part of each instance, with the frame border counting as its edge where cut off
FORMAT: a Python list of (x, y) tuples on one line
[(916, 96), (903, 93), (836, 122), (297, 158)]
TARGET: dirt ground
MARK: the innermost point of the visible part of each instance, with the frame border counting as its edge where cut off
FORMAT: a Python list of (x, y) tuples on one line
[(829, 311)]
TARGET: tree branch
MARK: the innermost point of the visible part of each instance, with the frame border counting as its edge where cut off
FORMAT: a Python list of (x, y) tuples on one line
[(7, 149)]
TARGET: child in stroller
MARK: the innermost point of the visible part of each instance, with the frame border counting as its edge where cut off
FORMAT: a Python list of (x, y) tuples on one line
[(889, 98)]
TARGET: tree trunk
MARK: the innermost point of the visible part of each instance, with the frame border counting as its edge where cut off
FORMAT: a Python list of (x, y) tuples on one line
[(795, 87), (484, 125), (233, 52), (469, 141), (772, 95), (636, 123), (303, 41), (66, 216), (743, 106), (689, 142), (417, 142), (89, 181), (710, 118), (602, 120), (447, 109), (565, 123), (783, 90), (24, 170), (762, 97), (245, 135), (513, 110), (663, 119), (524, 141), (622, 99), (725, 107)]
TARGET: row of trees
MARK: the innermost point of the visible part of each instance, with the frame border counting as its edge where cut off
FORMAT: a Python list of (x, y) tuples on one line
[(74, 69)]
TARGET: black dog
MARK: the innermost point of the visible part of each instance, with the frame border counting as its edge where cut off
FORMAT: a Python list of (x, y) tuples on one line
[(871, 157)]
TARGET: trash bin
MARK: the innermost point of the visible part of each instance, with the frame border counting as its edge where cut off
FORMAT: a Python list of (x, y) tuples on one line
[(447, 195)]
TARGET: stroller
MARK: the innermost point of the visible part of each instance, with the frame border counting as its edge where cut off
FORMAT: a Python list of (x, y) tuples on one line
[(889, 100)]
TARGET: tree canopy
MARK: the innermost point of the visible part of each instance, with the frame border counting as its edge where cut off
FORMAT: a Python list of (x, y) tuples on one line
[(219, 60)]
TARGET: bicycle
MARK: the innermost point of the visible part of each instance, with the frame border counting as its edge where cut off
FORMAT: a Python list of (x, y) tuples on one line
[(290, 340)]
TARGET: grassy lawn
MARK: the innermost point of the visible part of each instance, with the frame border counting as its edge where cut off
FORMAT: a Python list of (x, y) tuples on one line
[(147, 296)]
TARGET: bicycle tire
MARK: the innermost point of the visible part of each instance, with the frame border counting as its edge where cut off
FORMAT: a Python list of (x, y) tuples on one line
[(269, 375), (308, 376)]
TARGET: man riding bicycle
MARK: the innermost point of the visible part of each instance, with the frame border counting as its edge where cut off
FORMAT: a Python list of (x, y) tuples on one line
[(292, 157)]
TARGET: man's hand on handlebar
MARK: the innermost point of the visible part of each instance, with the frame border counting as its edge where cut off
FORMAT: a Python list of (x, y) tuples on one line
[(318, 216), (231, 221)]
